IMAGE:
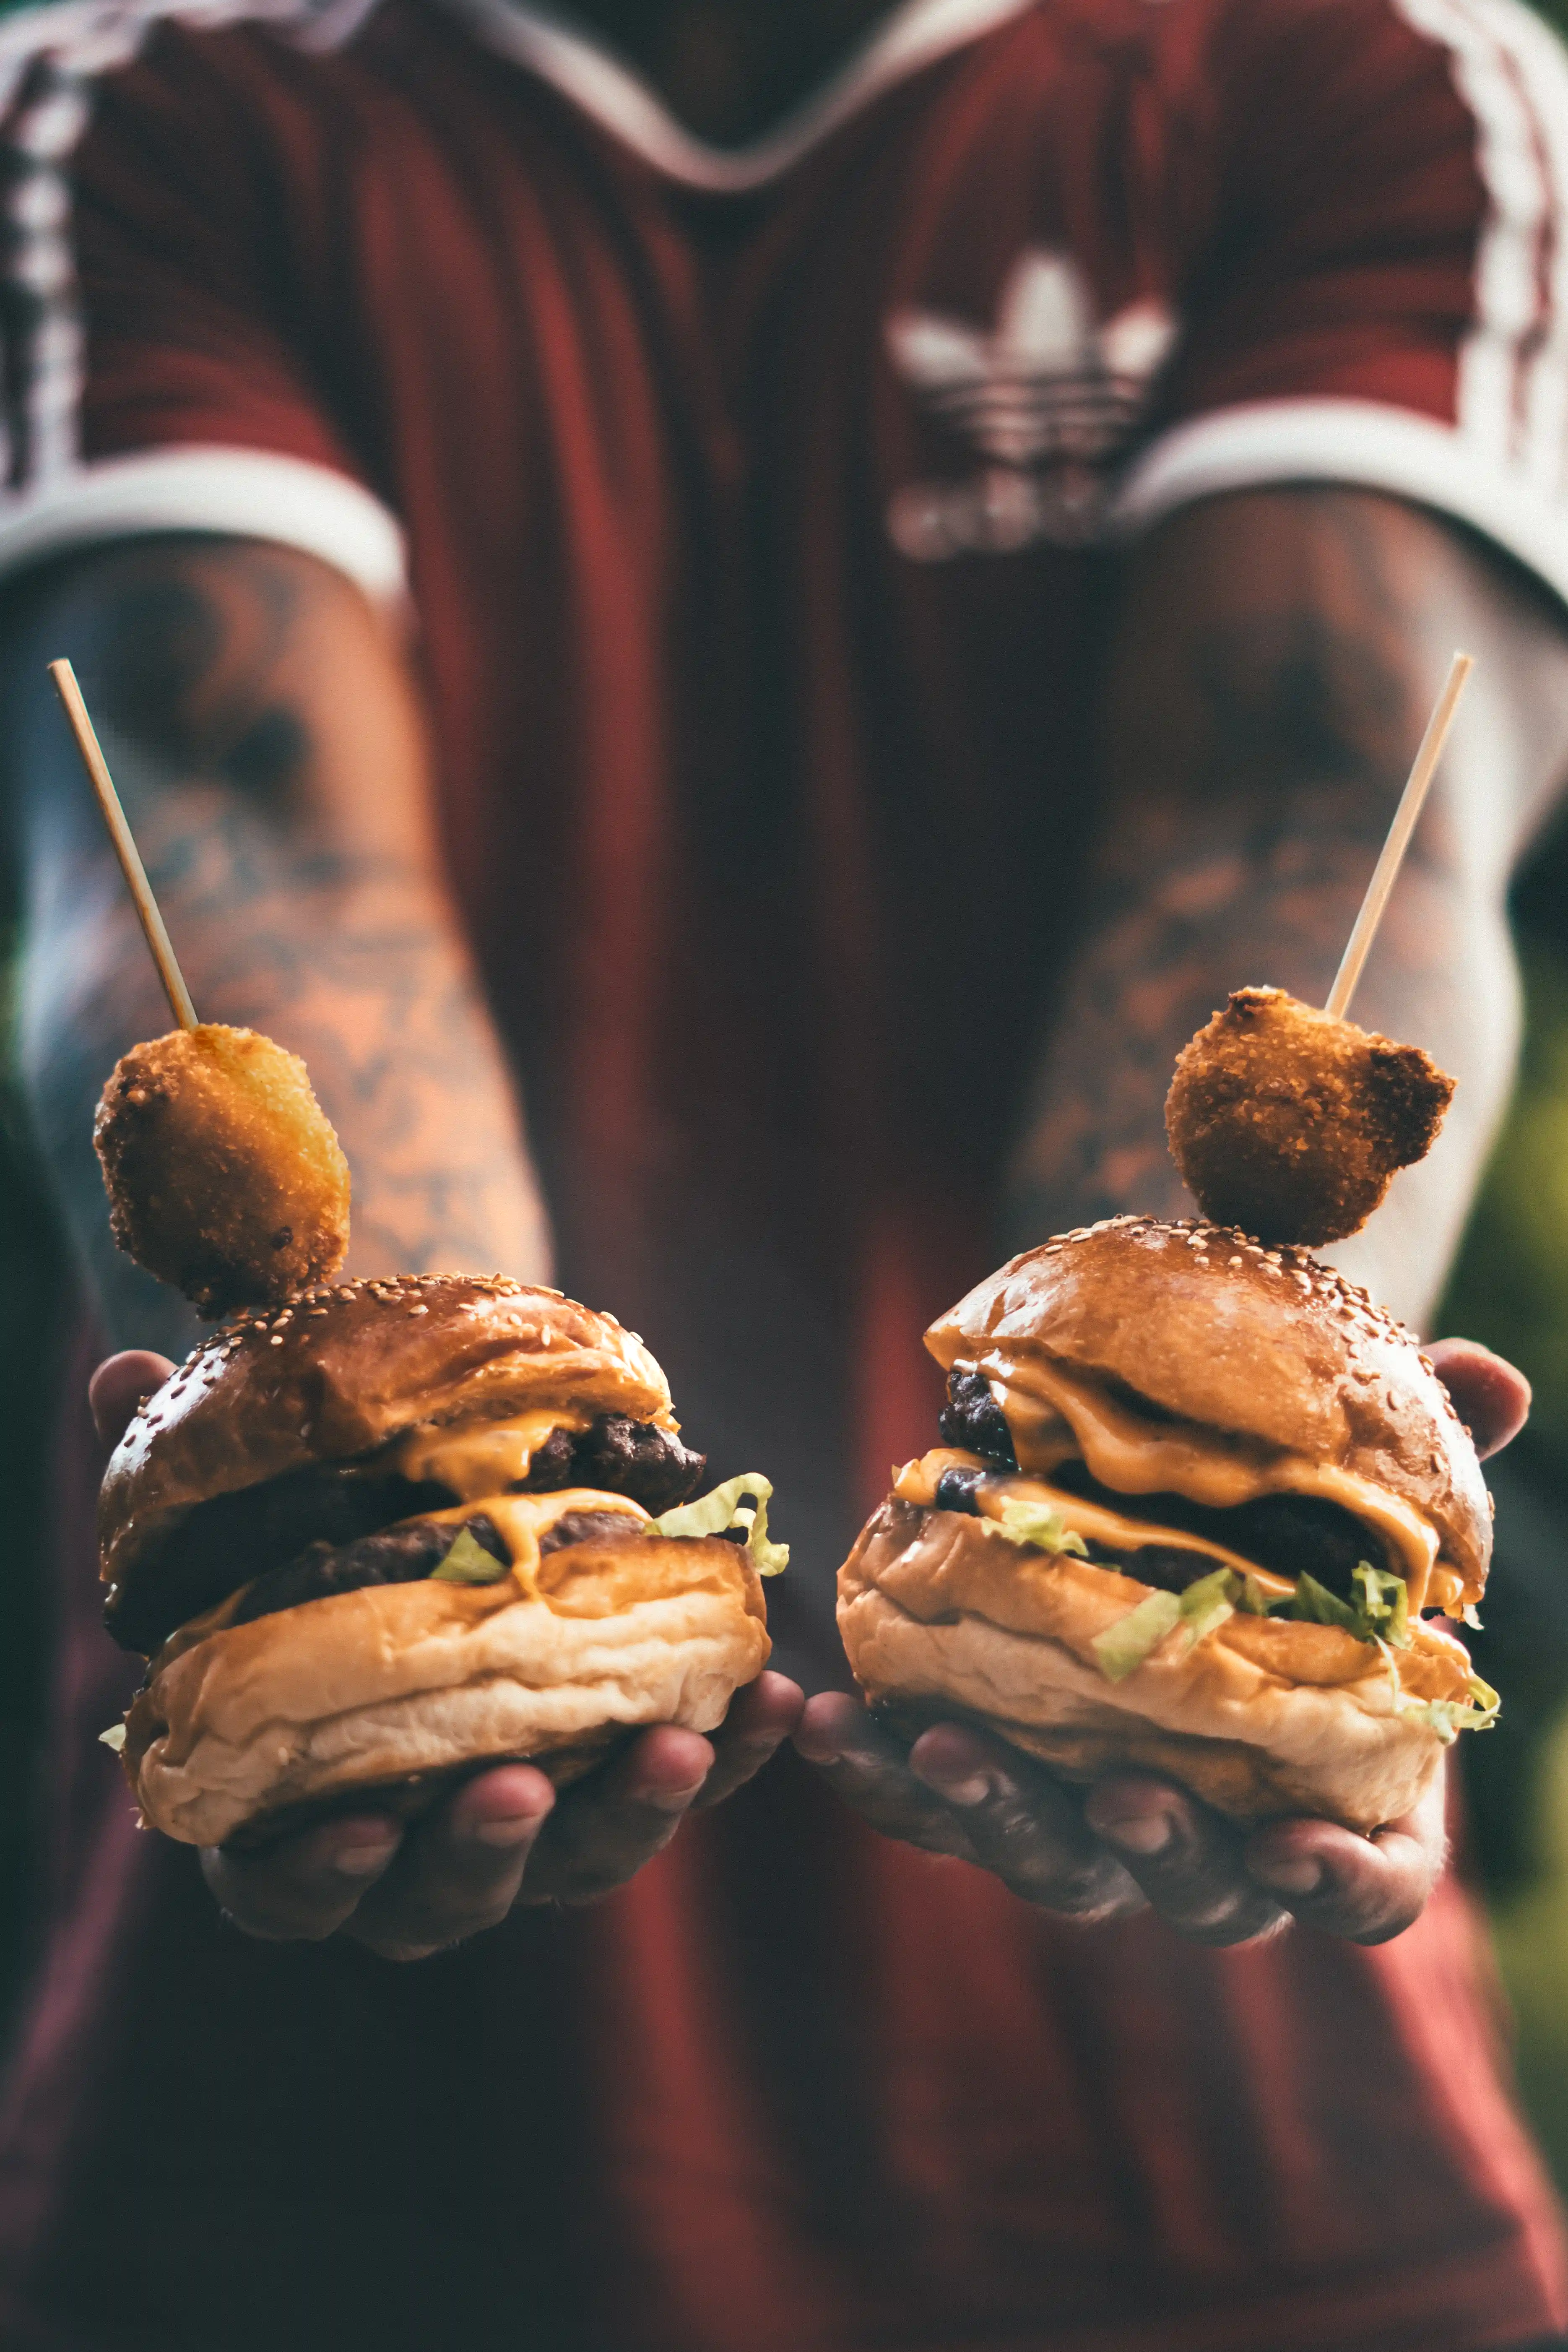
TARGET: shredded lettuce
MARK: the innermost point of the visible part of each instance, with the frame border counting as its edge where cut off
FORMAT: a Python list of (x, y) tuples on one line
[(715, 1514), (1314, 1604), (1380, 1612), (1383, 1602), (1037, 1523), (1446, 1716), (468, 1562), (1122, 1647), (113, 1737), (1207, 1604)]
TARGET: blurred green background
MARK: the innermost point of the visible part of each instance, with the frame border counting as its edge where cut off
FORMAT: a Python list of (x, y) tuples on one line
[(1510, 1289)]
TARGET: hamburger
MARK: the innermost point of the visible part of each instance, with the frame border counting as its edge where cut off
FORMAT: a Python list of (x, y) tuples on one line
[(390, 1531), (1200, 1509)]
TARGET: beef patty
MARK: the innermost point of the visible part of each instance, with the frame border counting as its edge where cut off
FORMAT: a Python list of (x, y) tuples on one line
[(1292, 1534), (407, 1555), (231, 1539)]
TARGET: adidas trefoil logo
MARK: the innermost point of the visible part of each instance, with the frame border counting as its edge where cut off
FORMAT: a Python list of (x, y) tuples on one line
[(1047, 399)]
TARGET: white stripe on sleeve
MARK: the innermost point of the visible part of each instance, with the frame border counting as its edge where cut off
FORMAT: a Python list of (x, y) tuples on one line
[(238, 493)]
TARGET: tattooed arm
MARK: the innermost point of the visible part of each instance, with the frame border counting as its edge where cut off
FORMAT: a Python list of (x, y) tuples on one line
[(268, 743), (1275, 658), (268, 747), (1272, 666)]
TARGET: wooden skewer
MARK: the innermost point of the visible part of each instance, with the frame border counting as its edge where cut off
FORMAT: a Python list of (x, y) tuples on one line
[(1385, 872), (125, 848)]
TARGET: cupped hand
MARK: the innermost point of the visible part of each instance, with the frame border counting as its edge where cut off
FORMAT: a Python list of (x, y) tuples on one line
[(1134, 1841), (407, 1889), (504, 1837)]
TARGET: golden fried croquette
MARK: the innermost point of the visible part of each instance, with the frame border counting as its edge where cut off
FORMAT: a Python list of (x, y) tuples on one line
[(1290, 1124), (225, 1177)]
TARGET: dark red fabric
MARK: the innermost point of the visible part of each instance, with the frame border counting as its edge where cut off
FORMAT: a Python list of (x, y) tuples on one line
[(769, 837)]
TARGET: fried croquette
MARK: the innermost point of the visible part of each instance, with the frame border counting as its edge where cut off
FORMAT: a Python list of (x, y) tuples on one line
[(1290, 1124), (224, 1174)]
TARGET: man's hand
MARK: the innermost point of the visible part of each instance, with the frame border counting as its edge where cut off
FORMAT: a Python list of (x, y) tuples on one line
[(407, 1889), (1135, 1839)]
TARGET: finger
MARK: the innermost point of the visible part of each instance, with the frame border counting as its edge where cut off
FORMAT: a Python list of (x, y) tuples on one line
[(1186, 1860), (605, 1829), (459, 1872), (120, 1384), (305, 1888), (761, 1718), (1022, 1826), (1490, 1395), (871, 1770), (1367, 1889)]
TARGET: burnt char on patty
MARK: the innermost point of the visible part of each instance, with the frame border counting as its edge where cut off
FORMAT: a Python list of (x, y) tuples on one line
[(618, 1457), (974, 1423), (231, 1539)]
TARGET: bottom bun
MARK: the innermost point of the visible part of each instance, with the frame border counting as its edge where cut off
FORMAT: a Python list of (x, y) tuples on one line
[(942, 1615), (236, 1731)]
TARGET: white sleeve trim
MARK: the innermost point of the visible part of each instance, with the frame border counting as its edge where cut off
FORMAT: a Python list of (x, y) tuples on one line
[(240, 493), (1355, 441)]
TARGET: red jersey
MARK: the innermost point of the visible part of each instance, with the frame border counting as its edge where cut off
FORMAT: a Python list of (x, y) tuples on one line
[(750, 507)]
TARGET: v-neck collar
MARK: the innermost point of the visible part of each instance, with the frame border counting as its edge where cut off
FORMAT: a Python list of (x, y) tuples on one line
[(587, 70)]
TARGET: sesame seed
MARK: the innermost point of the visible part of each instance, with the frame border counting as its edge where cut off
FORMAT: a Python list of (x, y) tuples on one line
[(1238, 1260), (276, 1340), (418, 1310)]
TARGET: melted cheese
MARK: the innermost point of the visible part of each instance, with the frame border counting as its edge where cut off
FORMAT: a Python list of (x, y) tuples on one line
[(1134, 1455), (520, 1519), (917, 1482), (484, 1457)]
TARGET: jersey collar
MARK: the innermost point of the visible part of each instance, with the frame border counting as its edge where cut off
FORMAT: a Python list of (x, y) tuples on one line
[(595, 77)]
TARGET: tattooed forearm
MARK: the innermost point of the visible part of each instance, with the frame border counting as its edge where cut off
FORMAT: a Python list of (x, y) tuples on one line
[(1272, 670), (270, 756)]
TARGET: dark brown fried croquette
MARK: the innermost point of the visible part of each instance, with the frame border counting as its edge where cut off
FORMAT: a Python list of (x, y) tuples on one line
[(224, 1174), (1290, 1124)]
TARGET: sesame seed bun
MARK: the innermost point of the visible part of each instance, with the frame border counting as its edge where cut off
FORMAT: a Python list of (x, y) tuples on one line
[(338, 1372), (1216, 1359), (1270, 1344), (249, 1723)]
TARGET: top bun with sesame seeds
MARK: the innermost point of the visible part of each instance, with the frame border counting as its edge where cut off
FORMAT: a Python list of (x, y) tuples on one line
[(389, 1531), (340, 1373), (1209, 1328), (1199, 1509)]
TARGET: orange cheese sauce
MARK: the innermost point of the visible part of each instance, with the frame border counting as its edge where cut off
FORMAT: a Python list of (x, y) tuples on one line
[(1135, 1456)]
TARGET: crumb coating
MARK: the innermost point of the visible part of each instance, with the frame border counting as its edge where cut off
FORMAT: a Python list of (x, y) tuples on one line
[(225, 1177), (1290, 1124)]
